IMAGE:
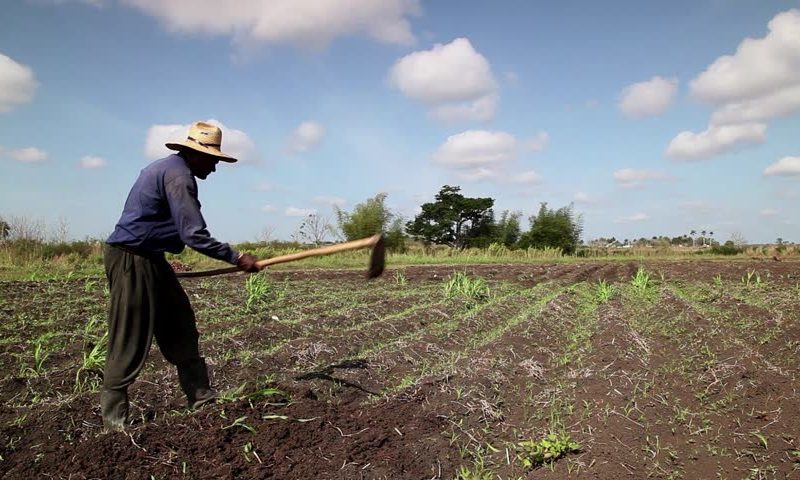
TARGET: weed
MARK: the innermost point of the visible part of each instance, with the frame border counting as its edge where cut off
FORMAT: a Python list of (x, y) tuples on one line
[(641, 282), (752, 279), (239, 423), (39, 357), (257, 287), (549, 449), (604, 291), (475, 290), (761, 439), (400, 278)]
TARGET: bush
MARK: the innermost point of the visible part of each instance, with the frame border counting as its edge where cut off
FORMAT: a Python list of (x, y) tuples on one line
[(727, 249)]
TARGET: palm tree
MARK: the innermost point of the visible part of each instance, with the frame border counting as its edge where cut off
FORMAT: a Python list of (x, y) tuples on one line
[(703, 237), (692, 234)]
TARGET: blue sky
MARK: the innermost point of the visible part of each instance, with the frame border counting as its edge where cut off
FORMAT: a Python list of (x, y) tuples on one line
[(652, 117)]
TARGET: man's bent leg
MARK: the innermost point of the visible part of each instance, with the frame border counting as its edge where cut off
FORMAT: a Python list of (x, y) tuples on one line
[(177, 337), (130, 330)]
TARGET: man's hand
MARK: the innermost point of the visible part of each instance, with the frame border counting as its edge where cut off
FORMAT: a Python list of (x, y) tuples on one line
[(247, 263)]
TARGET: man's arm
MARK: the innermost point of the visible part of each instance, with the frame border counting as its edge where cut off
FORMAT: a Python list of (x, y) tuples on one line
[(181, 193)]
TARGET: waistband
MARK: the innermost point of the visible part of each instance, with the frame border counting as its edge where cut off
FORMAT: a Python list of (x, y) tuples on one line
[(137, 252)]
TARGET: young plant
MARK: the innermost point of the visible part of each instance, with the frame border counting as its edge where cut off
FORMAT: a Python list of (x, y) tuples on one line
[(239, 422), (39, 357), (752, 279), (93, 361), (400, 278), (604, 291), (549, 449), (257, 287), (475, 290), (641, 282)]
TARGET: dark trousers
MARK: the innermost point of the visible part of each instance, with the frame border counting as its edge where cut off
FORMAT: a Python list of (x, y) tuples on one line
[(146, 300)]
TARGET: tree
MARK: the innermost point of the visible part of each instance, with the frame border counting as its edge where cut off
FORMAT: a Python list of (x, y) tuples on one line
[(554, 228), (692, 234), (314, 229), (5, 229), (369, 218), (738, 239), (507, 230), (454, 220)]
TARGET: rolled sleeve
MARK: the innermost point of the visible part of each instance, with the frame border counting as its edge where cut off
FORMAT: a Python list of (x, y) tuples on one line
[(181, 192)]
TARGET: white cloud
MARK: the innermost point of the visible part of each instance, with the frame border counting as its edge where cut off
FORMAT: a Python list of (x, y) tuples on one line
[(768, 212), (305, 23), (476, 148), (454, 80), (636, 217), (786, 167), (779, 104), (300, 212), (583, 197), (761, 81), (759, 67), (480, 110), (537, 143), (477, 174), (715, 140), (649, 98), (91, 161), (234, 142), (26, 155), (630, 178), (269, 208), (17, 84), (529, 177), (330, 201), (265, 187), (306, 137)]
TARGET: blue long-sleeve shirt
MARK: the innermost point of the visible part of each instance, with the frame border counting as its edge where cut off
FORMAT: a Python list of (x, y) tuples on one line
[(162, 214)]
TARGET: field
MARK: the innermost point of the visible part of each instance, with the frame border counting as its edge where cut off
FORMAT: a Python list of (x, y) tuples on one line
[(607, 370)]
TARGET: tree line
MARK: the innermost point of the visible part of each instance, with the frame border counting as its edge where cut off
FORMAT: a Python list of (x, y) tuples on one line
[(460, 222)]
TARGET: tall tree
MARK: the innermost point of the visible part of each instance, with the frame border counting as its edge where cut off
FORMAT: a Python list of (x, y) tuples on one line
[(454, 220), (507, 230), (371, 217), (554, 228)]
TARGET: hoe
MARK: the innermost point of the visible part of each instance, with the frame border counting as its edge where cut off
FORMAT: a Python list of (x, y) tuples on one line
[(376, 260)]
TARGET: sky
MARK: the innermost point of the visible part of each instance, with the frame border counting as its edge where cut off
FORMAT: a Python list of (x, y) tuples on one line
[(652, 118)]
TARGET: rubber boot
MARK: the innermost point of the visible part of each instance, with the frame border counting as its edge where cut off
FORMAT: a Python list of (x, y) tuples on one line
[(193, 377), (114, 405)]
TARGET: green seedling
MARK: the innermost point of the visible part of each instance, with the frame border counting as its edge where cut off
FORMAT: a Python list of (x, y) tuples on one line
[(89, 285), (39, 357), (752, 279), (549, 449), (475, 290), (604, 291), (718, 280), (641, 282), (257, 287), (239, 423), (400, 278), (761, 438)]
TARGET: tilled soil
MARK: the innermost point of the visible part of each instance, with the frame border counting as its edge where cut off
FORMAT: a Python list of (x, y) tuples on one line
[(692, 375)]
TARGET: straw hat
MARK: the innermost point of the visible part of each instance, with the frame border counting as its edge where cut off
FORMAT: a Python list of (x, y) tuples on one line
[(205, 138)]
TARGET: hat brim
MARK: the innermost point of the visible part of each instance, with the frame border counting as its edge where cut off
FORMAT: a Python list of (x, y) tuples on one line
[(202, 149)]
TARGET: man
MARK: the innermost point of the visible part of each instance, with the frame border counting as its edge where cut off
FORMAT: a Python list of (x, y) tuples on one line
[(161, 214)]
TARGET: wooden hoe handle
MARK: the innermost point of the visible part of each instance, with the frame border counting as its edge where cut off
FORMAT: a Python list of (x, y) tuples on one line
[(314, 252)]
